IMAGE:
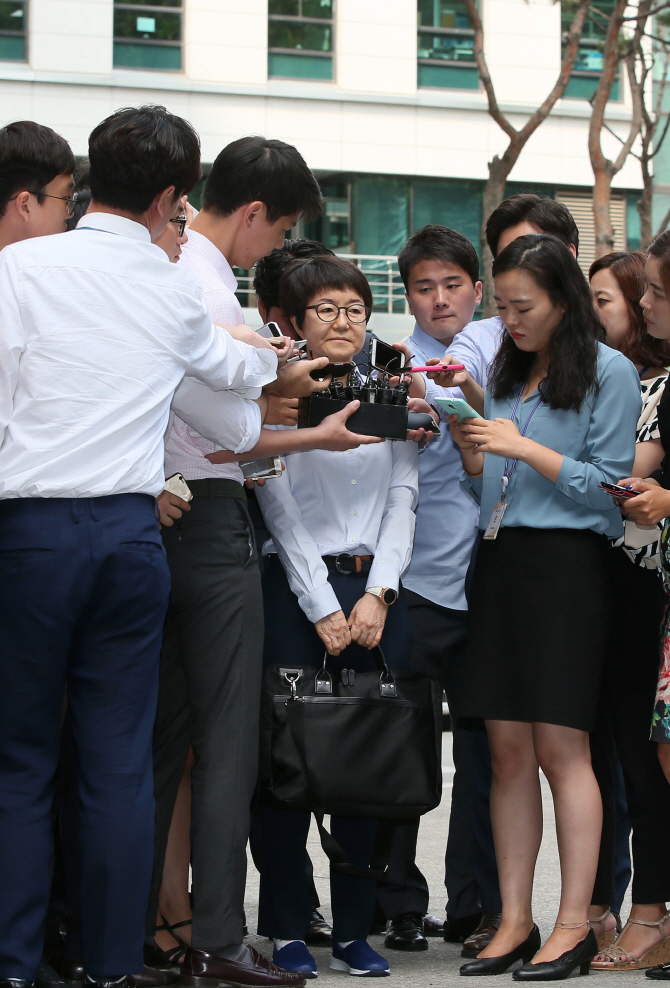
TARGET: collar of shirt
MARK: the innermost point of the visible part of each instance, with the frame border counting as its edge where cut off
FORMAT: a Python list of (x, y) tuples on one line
[(198, 244), (121, 226), (428, 344)]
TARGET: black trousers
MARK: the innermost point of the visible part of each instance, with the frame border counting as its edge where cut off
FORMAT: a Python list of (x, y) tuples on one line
[(83, 592), (439, 636), (628, 698), (284, 900), (209, 696)]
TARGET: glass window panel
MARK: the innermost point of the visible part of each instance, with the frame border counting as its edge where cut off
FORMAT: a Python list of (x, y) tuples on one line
[(151, 3), (383, 214), (597, 19), (584, 86), (131, 56), (447, 77), (456, 204), (291, 7), (446, 47), (147, 25), (317, 8), (12, 16), (12, 48), (589, 59), (443, 13), (303, 37), (299, 66)]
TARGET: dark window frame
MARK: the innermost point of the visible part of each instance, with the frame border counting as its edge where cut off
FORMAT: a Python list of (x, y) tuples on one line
[(304, 52), (150, 8), (23, 33)]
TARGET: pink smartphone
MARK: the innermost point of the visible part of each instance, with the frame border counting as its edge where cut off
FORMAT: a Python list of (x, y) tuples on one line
[(435, 367)]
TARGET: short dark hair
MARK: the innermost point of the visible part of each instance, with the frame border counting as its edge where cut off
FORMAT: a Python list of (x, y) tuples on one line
[(627, 269), (137, 152), (303, 279), (31, 156), (442, 244), (270, 268), (255, 169), (573, 362), (548, 215)]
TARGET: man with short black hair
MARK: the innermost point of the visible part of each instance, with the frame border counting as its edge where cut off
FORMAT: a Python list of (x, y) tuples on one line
[(97, 330), (36, 169)]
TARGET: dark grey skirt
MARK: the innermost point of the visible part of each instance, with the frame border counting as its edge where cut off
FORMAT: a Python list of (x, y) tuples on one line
[(538, 627)]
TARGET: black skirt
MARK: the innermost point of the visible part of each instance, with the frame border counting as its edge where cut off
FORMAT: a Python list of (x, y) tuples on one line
[(538, 627)]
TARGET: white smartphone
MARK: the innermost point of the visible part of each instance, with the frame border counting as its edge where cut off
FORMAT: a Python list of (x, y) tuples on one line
[(269, 330), (457, 406), (263, 469), (177, 485)]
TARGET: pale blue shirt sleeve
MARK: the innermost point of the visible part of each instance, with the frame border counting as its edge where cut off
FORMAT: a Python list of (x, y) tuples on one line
[(396, 534)]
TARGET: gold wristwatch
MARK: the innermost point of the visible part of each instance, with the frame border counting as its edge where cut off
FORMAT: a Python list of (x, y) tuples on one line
[(385, 594)]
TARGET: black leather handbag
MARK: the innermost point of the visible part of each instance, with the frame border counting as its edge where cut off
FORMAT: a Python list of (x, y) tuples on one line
[(354, 744)]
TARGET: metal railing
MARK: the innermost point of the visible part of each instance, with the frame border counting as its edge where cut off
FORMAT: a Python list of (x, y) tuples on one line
[(381, 270)]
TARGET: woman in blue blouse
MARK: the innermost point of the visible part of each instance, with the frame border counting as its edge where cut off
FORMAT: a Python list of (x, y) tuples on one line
[(560, 416)]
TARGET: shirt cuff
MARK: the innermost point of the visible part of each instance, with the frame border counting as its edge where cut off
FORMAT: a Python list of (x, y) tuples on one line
[(252, 432), (383, 575), (320, 603), (473, 485)]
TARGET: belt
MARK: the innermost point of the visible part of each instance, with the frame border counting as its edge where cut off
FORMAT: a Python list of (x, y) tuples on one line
[(346, 564), (217, 487)]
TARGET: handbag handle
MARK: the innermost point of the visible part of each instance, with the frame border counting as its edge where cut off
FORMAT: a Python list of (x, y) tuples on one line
[(323, 681)]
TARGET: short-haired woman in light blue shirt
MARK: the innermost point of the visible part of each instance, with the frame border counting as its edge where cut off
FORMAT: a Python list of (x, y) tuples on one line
[(560, 415)]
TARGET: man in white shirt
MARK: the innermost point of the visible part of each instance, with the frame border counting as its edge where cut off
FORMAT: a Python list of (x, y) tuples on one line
[(211, 661), (97, 330)]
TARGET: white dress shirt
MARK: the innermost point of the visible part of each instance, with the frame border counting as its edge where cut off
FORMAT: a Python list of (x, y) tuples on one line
[(446, 517), (97, 329), (187, 444), (360, 502)]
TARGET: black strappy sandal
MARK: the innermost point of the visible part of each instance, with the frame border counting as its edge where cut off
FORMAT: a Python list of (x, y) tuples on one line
[(165, 960)]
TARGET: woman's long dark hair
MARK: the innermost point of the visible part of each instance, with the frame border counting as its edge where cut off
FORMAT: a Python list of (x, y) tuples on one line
[(572, 371)]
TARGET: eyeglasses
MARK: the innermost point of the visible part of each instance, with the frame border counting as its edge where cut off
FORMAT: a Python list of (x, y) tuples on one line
[(328, 311), (70, 200), (182, 220)]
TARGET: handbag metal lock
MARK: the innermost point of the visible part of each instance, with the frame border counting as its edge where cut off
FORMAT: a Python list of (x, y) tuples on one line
[(292, 677)]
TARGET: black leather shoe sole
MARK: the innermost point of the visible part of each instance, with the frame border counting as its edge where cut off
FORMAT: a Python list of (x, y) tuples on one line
[(411, 946)]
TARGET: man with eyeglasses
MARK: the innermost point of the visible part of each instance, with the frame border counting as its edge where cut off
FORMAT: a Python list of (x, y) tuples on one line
[(36, 175)]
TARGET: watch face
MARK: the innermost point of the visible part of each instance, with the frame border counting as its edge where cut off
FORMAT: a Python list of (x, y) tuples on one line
[(389, 596)]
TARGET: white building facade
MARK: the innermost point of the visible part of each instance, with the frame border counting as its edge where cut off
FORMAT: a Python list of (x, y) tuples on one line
[(380, 96)]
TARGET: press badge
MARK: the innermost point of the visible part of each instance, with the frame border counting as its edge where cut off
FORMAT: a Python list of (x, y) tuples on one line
[(495, 521)]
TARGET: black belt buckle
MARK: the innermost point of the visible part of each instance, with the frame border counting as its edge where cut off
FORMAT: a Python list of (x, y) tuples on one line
[(349, 559)]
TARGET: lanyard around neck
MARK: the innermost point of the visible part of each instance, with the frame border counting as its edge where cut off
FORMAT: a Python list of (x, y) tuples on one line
[(509, 469)]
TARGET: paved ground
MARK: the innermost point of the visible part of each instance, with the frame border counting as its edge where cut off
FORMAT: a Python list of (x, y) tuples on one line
[(438, 966)]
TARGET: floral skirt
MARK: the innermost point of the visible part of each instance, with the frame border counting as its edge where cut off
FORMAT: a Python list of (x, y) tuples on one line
[(660, 721)]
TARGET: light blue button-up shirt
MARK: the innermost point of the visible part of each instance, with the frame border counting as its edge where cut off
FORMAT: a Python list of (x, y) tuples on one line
[(597, 444), (446, 517), (475, 347)]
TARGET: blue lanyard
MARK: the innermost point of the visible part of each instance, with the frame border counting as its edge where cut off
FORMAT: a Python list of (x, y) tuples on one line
[(509, 470)]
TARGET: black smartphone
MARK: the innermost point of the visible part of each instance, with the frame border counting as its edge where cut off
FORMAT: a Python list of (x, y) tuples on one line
[(336, 370), (386, 358), (616, 491)]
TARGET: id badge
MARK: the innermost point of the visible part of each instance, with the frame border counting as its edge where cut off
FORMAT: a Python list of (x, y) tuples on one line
[(495, 521)]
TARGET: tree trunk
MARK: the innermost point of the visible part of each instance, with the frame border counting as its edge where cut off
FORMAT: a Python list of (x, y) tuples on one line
[(601, 211), (494, 193), (644, 208)]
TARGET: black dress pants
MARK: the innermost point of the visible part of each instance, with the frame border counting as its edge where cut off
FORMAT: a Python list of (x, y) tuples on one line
[(209, 696), (439, 636), (284, 901)]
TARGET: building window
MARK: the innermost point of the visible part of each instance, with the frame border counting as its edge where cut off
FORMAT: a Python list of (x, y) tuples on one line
[(446, 42), (13, 30), (300, 39), (148, 35), (590, 57)]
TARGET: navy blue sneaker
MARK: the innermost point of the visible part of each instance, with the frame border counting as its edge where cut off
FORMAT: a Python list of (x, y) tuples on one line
[(359, 959), (295, 957)]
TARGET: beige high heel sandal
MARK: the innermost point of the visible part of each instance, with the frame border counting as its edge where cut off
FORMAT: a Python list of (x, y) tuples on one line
[(658, 953), (607, 937)]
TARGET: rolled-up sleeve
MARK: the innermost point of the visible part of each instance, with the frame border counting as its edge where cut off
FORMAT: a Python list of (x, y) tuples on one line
[(396, 533), (609, 446), (228, 419), (306, 571), (223, 363)]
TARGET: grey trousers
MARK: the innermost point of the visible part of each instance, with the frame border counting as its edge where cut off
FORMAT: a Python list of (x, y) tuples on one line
[(209, 696)]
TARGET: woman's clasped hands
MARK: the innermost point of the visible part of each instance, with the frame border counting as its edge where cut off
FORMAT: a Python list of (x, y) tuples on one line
[(365, 625)]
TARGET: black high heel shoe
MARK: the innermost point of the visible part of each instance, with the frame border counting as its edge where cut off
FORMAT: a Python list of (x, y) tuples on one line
[(498, 965), (563, 966)]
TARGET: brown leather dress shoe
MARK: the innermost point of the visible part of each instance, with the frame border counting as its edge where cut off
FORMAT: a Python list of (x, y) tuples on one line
[(482, 936), (202, 970)]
